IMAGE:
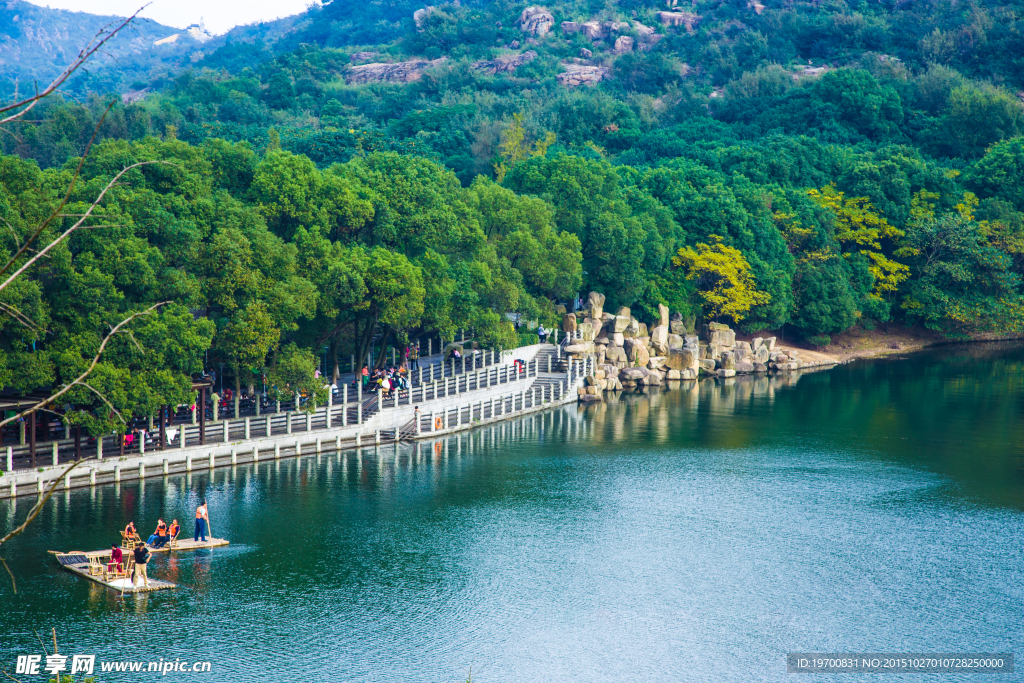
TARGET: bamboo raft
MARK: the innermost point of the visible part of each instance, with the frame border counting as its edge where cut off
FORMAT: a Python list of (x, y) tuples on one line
[(77, 562)]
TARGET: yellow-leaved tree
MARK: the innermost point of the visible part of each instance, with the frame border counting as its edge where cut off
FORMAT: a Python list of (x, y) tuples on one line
[(859, 227), (514, 146), (722, 279)]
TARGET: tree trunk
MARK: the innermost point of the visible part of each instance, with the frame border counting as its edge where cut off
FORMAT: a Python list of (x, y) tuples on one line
[(334, 357)]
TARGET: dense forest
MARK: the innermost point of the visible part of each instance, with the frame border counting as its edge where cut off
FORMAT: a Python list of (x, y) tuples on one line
[(368, 174)]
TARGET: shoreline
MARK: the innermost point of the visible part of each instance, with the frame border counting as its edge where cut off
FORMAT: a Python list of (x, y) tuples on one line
[(853, 345)]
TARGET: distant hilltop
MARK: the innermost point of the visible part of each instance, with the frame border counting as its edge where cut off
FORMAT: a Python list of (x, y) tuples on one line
[(36, 43), (195, 31)]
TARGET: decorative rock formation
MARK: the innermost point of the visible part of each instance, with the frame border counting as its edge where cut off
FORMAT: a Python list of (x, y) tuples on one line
[(569, 322), (581, 74), (394, 72), (570, 27), (663, 316), (505, 65), (659, 340), (536, 21), (637, 352), (595, 301)]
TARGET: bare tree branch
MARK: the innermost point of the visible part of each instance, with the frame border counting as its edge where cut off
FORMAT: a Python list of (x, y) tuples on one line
[(95, 361), (104, 399), (28, 264), (14, 584), (20, 317), (24, 106), (38, 507)]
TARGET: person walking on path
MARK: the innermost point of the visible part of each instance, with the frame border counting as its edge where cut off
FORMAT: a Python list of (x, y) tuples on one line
[(202, 519), (542, 334), (141, 558), (414, 356)]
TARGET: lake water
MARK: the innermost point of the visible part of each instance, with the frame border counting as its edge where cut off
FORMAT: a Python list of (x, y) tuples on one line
[(692, 535)]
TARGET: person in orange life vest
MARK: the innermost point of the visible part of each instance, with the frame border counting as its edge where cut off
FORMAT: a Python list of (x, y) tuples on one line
[(129, 531), (159, 537), (173, 531)]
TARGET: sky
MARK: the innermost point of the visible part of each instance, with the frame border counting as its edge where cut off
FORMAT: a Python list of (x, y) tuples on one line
[(220, 15)]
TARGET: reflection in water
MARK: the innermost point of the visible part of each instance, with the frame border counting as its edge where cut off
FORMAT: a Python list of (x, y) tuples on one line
[(855, 509)]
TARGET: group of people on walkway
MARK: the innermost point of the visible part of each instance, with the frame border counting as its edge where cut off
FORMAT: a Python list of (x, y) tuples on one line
[(388, 379)]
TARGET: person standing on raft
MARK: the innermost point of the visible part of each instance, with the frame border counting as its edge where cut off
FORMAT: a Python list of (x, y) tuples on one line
[(202, 519)]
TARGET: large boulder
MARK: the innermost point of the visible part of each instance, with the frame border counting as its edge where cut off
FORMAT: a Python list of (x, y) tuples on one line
[(743, 346), (582, 74), (624, 45), (762, 354), (656, 362), (618, 339), (624, 312), (632, 374), (680, 359), (595, 302), (621, 323), (632, 329), (689, 373), (615, 354), (663, 315), (770, 343), (760, 367), (653, 380), (675, 341), (729, 360), (593, 30), (569, 27), (659, 339), (706, 364), (587, 331), (726, 372), (642, 330), (756, 342), (674, 374), (505, 65), (637, 352), (686, 19), (569, 322), (723, 338), (580, 349), (391, 72), (590, 398), (536, 21), (744, 367)]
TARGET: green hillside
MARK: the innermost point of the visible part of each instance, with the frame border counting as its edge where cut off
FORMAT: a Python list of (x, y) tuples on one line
[(862, 162)]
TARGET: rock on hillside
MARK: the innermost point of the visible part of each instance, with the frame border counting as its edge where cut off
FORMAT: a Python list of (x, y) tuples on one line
[(506, 64), (687, 19), (536, 21), (582, 74), (393, 72)]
